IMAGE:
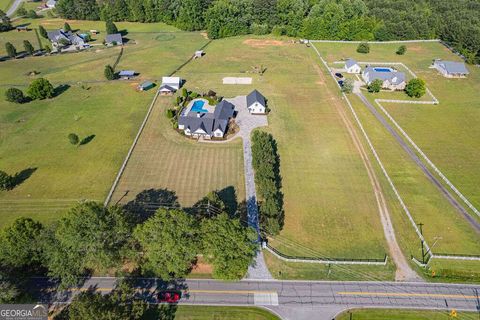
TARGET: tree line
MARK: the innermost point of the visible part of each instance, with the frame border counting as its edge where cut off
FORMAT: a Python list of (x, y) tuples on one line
[(455, 22), (163, 242), (266, 163)]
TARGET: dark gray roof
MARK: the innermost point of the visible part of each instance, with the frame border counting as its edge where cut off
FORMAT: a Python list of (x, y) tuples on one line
[(350, 63), (167, 87), (255, 96), (394, 77), (209, 122), (116, 37), (57, 35), (126, 73), (453, 67)]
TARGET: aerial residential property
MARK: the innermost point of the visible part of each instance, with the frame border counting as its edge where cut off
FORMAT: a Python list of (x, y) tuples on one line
[(391, 79), (351, 66), (451, 69), (61, 39), (256, 103), (199, 119), (114, 39)]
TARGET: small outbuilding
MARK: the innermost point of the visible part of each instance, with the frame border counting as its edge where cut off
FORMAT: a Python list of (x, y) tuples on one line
[(114, 39), (351, 66), (198, 54), (126, 74), (51, 4), (256, 103), (451, 69), (144, 86), (170, 85)]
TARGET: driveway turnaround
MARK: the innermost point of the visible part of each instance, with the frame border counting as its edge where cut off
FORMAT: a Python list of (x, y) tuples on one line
[(295, 299)]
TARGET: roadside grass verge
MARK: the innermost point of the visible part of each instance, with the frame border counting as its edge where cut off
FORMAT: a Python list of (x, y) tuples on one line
[(329, 201), (186, 312), (400, 314)]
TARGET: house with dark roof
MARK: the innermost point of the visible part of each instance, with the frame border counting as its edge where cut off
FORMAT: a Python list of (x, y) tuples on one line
[(351, 66), (391, 79), (451, 69), (170, 85), (256, 103), (198, 120), (60, 38), (114, 39), (126, 74)]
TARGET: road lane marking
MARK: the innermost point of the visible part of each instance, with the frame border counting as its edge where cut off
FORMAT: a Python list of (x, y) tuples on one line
[(404, 294), (265, 299)]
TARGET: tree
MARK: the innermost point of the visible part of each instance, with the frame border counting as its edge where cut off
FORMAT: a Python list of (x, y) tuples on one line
[(229, 246), (347, 86), (41, 89), (169, 242), (109, 73), (111, 27), (191, 15), (5, 181), (11, 50), (363, 47), (90, 236), (14, 95), (78, 9), (19, 243), (48, 49), (5, 23), (73, 138), (66, 27), (32, 14), (228, 18), (28, 47), (210, 206), (401, 50), (43, 32), (416, 88), (375, 86), (8, 290), (22, 12)]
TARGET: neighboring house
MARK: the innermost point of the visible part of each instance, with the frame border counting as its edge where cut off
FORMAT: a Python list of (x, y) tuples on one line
[(451, 69), (61, 38), (206, 124), (51, 4), (351, 66), (390, 78), (114, 39), (145, 86), (126, 74), (256, 103), (170, 85)]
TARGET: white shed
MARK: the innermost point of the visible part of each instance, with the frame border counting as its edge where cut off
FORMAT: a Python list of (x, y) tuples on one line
[(351, 66)]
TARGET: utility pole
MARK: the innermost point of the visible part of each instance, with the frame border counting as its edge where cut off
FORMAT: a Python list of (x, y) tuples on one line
[(420, 225)]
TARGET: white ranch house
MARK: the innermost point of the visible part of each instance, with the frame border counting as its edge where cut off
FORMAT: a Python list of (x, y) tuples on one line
[(351, 66), (256, 103), (451, 69), (391, 79)]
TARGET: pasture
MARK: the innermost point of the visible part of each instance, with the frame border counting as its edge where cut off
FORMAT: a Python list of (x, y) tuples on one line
[(397, 314)]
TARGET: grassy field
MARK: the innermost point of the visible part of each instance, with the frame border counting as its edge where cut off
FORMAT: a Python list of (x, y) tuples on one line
[(185, 312), (398, 314), (329, 202), (5, 4), (34, 135), (163, 159)]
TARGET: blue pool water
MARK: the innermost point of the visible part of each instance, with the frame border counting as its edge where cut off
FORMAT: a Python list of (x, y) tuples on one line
[(198, 106), (382, 69)]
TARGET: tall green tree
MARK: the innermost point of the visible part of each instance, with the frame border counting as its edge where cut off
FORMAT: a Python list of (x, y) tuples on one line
[(14, 95), (191, 15), (290, 14), (66, 27), (109, 73), (375, 86), (111, 27), (78, 9), (41, 89), (43, 32), (229, 246), (416, 88), (11, 50), (169, 242), (5, 23), (228, 18), (6, 181), (28, 47)]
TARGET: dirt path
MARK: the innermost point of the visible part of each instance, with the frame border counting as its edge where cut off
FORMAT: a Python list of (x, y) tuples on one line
[(403, 272)]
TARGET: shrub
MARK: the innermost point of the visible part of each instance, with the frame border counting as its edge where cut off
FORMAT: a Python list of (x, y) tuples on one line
[(278, 31), (67, 27), (73, 138), (259, 29), (41, 89), (28, 47), (401, 50), (47, 48), (14, 95), (375, 86), (184, 92), (11, 50), (347, 86), (170, 113), (43, 32), (6, 181), (178, 100), (22, 12), (111, 27), (415, 88), (363, 47), (109, 73), (32, 14)]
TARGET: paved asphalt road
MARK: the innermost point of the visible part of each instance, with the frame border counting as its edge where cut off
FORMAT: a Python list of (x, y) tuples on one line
[(298, 299), (421, 165)]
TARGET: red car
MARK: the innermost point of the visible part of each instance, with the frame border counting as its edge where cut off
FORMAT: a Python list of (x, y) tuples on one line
[(169, 296)]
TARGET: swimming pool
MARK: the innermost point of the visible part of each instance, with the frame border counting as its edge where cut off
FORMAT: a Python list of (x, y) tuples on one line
[(382, 69), (198, 106)]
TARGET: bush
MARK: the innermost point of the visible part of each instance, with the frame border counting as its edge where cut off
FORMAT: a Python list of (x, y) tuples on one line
[(28, 47), (41, 89), (109, 73), (415, 88), (375, 86), (43, 32), (184, 93), (363, 48), (347, 86), (279, 31), (6, 181), (73, 138), (67, 27), (32, 14), (11, 50), (22, 12), (401, 50), (47, 48), (14, 95), (259, 29), (170, 113)]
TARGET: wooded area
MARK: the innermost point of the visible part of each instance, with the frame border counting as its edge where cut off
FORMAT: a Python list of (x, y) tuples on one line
[(455, 22)]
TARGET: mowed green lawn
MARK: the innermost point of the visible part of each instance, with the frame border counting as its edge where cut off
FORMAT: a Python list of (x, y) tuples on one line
[(34, 135), (329, 202), (5, 4), (398, 314), (164, 159), (185, 312), (448, 133)]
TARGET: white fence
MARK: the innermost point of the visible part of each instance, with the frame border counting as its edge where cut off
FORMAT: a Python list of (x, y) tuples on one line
[(375, 42)]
